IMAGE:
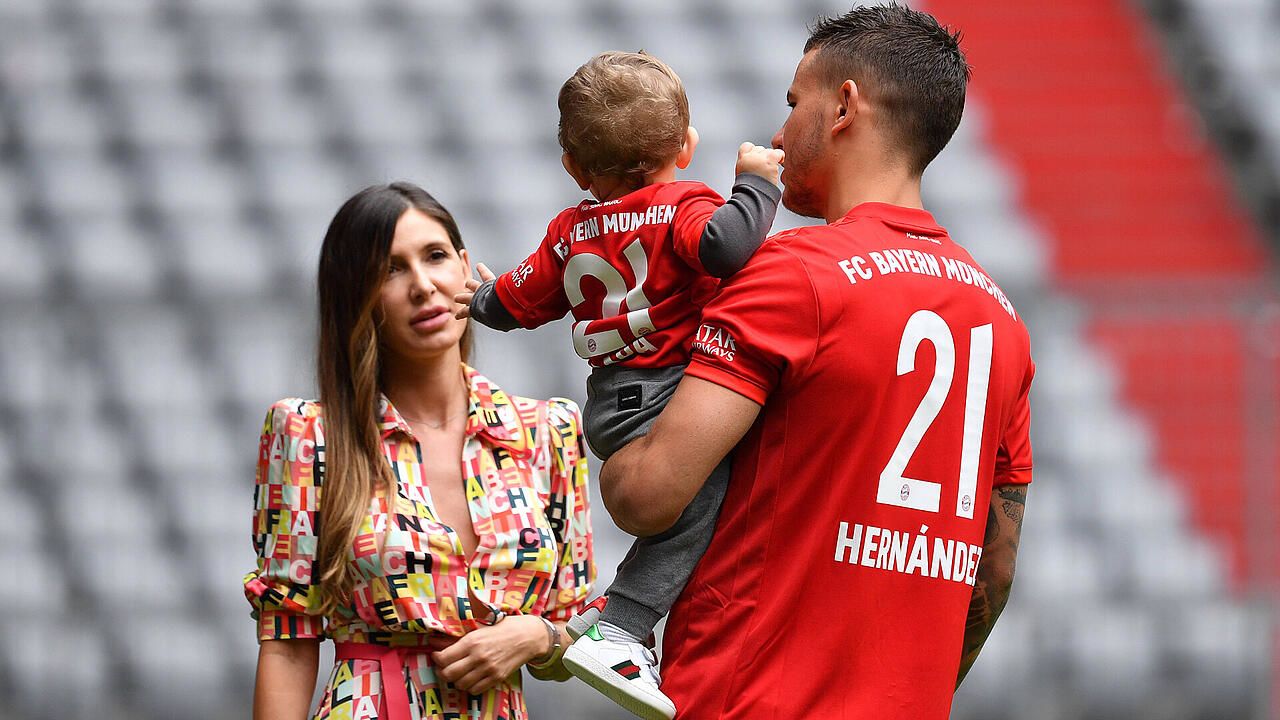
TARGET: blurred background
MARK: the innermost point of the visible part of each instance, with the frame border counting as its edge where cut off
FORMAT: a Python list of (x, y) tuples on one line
[(168, 168)]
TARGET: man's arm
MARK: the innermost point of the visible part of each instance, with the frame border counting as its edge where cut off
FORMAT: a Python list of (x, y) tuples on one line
[(648, 483), (995, 570)]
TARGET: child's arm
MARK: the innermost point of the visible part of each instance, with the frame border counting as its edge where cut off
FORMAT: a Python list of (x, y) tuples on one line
[(527, 297), (481, 301), (738, 227)]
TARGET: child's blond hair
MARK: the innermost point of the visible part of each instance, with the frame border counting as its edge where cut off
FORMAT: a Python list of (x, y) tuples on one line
[(623, 114)]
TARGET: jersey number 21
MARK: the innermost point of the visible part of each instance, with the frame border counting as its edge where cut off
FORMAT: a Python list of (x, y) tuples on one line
[(897, 489)]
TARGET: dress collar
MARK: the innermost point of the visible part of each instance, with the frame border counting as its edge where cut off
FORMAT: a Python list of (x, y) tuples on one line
[(491, 413)]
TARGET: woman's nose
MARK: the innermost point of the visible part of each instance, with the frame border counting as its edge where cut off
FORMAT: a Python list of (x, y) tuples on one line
[(422, 286)]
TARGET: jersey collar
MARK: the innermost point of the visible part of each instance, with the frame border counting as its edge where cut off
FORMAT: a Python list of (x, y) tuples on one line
[(897, 215)]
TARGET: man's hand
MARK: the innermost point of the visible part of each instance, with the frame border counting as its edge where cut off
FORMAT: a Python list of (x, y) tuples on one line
[(759, 160), (464, 298)]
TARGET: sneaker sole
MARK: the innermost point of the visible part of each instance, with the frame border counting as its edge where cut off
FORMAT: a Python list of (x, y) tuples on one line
[(613, 686)]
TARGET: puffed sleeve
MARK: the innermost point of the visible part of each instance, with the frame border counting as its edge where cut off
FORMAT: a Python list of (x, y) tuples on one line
[(286, 505), (569, 512)]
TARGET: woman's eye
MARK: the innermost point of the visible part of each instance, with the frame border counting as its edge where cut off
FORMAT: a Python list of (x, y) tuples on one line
[(393, 269), (438, 255)]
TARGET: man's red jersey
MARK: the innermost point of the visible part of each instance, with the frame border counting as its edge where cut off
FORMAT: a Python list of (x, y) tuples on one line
[(629, 271), (894, 377)]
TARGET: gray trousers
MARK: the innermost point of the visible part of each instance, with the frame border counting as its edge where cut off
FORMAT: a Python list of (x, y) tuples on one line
[(622, 404)]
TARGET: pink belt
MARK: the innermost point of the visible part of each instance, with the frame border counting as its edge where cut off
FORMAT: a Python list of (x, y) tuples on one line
[(393, 704)]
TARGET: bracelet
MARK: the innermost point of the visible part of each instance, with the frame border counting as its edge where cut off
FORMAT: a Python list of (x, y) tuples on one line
[(553, 638)]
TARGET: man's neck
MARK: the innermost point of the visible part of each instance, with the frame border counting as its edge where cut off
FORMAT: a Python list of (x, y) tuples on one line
[(888, 185)]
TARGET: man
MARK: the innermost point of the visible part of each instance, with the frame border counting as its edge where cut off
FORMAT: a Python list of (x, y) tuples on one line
[(874, 381)]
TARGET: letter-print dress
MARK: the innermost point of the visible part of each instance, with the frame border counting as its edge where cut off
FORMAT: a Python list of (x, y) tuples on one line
[(526, 485)]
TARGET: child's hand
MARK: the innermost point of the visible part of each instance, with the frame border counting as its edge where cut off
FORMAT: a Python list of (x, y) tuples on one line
[(464, 298), (759, 160)]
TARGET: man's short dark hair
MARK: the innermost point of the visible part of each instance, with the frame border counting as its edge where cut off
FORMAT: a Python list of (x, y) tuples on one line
[(905, 62)]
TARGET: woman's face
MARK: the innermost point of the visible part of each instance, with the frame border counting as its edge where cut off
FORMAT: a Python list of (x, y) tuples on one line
[(417, 309)]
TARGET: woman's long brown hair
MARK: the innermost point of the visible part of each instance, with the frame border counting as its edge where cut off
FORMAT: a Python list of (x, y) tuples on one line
[(353, 264)]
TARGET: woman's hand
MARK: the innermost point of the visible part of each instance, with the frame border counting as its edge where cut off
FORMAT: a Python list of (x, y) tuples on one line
[(464, 298), (489, 655)]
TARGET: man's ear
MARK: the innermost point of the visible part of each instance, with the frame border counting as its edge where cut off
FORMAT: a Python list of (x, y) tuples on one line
[(848, 97), (575, 171), (686, 150)]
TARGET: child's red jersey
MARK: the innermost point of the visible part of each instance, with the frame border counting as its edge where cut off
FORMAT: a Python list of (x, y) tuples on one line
[(627, 269)]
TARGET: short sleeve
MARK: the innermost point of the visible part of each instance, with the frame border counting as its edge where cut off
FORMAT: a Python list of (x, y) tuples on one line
[(1013, 459), (534, 292), (286, 505), (693, 211), (762, 326), (569, 512)]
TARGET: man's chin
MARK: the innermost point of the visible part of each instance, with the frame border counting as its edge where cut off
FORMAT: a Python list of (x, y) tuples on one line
[(801, 204)]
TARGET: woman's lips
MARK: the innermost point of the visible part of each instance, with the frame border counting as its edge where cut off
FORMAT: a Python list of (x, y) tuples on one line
[(430, 319)]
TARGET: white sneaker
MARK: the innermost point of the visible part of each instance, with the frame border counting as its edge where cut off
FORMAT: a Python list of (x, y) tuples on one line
[(625, 672)]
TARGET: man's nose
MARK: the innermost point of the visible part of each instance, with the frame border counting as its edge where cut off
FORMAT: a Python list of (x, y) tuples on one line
[(776, 141)]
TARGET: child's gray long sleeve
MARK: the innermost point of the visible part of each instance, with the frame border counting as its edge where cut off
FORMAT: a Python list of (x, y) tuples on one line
[(488, 310), (737, 229)]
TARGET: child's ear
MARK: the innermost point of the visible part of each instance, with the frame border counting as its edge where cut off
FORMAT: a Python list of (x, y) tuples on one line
[(686, 150), (575, 172)]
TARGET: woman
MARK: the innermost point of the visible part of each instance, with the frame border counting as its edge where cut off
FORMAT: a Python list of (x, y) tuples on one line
[(434, 527)]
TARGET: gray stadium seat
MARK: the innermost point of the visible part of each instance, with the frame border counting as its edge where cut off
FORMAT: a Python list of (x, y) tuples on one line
[(76, 186), (159, 119), (109, 257), (23, 271), (60, 122), (220, 256)]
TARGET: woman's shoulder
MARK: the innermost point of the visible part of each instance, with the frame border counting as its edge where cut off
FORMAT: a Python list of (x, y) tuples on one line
[(291, 416)]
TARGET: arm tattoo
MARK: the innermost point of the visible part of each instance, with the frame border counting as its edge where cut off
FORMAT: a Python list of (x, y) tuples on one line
[(1013, 501), (993, 529), (979, 608), (995, 571)]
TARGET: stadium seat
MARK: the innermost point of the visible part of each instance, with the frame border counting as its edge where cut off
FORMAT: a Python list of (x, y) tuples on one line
[(109, 257), (159, 339), (220, 256), (60, 122), (35, 656), (132, 55), (74, 186), (25, 274), (161, 120)]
